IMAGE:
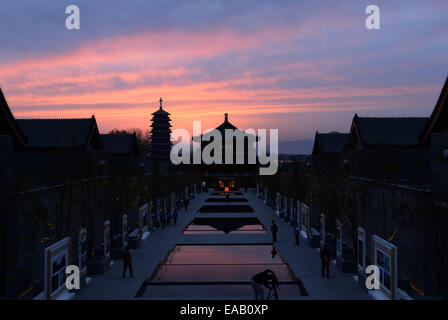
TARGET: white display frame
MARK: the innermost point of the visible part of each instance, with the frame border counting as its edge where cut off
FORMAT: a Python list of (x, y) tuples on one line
[(387, 249), (299, 212), (291, 210), (173, 202), (107, 238), (55, 252), (82, 254), (304, 223), (142, 213), (165, 205), (361, 250), (149, 219), (285, 206), (322, 230), (124, 230), (339, 242), (277, 203)]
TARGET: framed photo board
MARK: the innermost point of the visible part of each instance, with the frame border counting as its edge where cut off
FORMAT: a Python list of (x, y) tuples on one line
[(277, 204), (82, 251), (173, 201), (322, 229), (124, 229), (107, 238), (305, 218), (143, 218), (57, 258), (361, 250), (384, 256), (338, 238), (150, 215)]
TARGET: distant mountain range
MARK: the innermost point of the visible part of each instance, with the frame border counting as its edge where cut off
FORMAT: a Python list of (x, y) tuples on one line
[(293, 147), (296, 147)]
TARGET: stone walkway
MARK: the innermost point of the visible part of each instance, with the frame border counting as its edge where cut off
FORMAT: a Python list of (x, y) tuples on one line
[(304, 261)]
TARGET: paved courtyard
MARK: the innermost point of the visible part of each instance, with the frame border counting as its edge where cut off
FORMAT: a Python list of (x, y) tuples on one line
[(303, 260)]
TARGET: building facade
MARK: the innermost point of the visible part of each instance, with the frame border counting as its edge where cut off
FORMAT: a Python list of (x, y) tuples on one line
[(233, 175)]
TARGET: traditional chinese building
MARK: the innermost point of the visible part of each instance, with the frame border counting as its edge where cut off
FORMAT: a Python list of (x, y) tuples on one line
[(161, 135), (388, 149), (327, 151), (235, 175)]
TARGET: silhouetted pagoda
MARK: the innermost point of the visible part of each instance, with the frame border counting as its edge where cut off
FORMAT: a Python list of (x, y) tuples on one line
[(161, 135)]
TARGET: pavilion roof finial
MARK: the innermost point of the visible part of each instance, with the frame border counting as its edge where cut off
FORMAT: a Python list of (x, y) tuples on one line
[(226, 117), (160, 103)]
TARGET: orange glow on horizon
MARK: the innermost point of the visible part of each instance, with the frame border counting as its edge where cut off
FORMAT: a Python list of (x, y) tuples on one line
[(119, 80)]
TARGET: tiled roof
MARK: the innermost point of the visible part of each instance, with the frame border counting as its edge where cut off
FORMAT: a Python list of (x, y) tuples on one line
[(439, 118), (390, 131), (57, 133), (8, 124), (332, 142), (222, 129), (160, 112), (119, 143), (224, 126)]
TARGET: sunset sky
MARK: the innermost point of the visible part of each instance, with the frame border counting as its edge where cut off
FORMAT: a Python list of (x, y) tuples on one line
[(299, 66)]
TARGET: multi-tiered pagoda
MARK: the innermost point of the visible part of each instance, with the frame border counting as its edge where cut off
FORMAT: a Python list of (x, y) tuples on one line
[(161, 135)]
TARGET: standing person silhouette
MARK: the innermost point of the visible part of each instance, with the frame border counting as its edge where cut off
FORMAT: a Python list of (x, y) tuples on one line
[(168, 218), (273, 252), (175, 216), (127, 262), (163, 216), (325, 257), (297, 233), (274, 230)]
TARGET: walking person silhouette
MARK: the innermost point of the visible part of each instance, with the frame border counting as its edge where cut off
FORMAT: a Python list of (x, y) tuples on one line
[(175, 216), (325, 257), (127, 262), (274, 230)]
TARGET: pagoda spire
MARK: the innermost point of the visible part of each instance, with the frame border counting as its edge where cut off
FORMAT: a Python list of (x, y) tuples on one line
[(160, 135)]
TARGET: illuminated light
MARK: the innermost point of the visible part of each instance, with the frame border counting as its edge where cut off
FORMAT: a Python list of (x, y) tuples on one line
[(412, 285), (393, 235), (25, 292)]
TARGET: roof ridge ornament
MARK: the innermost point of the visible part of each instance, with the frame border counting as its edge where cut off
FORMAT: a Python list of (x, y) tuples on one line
[(160, 103), (226, 117)]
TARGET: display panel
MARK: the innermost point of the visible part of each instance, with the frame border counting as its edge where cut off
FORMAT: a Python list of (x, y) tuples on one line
[(57, 258)]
